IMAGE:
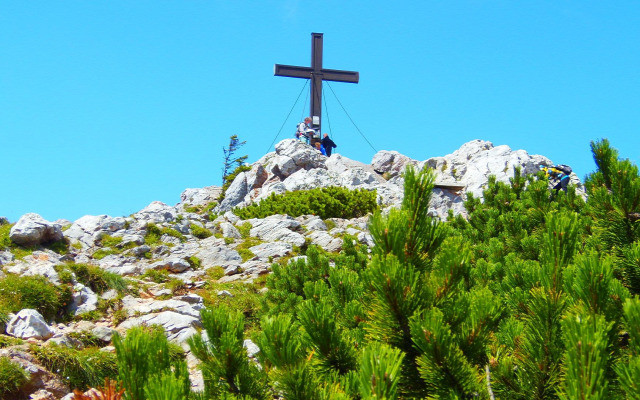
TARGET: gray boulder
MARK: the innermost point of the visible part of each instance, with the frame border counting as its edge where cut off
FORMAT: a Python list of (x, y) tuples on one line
[(312, 223), (65, 340), (304, 156), (325, 240), (31, 229), (39, 377), (277, 228), (214, 252), (137, 306), (274, 249), (6, 257), (235, 193), (173, 264), (84, 299), (157, 212), (28, 324), (103, 333), (230, 231), (252, 348), (201, 196), (38, 263), (90, 228), (390, 162), (178, 327)]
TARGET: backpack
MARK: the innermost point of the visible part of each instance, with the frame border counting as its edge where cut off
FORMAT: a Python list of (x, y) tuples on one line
[(564, 168)]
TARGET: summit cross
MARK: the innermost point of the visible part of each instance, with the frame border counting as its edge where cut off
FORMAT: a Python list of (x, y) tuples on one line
[(317, 74)]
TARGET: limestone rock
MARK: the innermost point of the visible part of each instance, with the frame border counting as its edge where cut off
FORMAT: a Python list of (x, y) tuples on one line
[(235, 193), (275, 249), (38, 263), (277, 228), (325, 240), (230, 231), (157, 212), (31, 229), (313, 223), (84, 300), (103, 333), (90, 228), (173, 264), (201, 196), (391, 162), (232, 270), (178, 327), (65, 340), (39, 377), (136, 306), (304, 156), (6, 257), (28, 324), (42, 394), (214, 252)]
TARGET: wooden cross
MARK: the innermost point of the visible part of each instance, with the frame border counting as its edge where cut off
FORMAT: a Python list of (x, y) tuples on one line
[(317, 74)]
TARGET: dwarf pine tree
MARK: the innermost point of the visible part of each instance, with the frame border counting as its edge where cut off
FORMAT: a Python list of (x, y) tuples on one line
[(146, 369), (614, 205)]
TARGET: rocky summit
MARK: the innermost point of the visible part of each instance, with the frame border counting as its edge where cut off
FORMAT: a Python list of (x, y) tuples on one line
[(169, 253)]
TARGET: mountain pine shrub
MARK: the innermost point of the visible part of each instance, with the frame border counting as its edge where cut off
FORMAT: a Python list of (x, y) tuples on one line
[(223, 358), (146, 367), (331, 202)]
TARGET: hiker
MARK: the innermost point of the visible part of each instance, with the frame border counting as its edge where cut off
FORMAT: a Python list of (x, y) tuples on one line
[(558, 175), (304, 131), (328, 144), (320, 149)]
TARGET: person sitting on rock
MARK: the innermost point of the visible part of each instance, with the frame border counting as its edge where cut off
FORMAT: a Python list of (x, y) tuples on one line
[(328, 144), (320, 149)]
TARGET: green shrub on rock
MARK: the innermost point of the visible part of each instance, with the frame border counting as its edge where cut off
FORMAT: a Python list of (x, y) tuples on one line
[(12, 378), (36, 292), (331, 202), (81, 369), (94, 277), (200, 232)]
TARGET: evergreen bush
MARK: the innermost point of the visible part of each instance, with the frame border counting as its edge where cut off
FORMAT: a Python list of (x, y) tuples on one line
[(146, 367), (225, 367), (331, 202)]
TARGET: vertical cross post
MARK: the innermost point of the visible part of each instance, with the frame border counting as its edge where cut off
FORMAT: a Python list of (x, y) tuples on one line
[(317, 74), (316, 77)]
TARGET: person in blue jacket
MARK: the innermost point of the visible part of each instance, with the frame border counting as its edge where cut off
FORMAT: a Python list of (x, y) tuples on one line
[(320, 149)]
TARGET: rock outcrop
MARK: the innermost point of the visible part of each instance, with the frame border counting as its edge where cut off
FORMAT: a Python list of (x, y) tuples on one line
[(31, 229), (296, 166)]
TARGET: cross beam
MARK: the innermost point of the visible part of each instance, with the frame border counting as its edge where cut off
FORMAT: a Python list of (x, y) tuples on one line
[(317, 74)]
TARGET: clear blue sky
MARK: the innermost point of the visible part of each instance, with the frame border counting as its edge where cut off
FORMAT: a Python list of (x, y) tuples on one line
[(106, 106)]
